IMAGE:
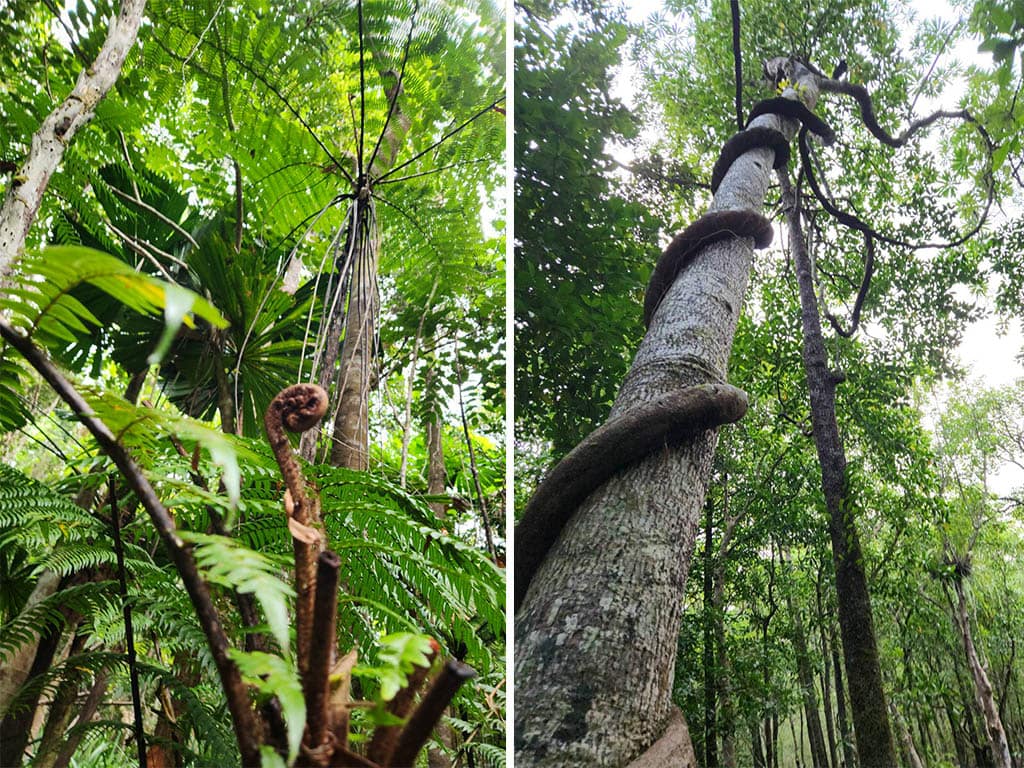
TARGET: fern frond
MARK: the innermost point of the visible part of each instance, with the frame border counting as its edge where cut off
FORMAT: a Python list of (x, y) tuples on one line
[(51, 613)]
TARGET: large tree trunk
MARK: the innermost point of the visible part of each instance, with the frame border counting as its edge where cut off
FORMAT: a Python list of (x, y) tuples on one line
[(871, 728), (983, 694), (596, 633)]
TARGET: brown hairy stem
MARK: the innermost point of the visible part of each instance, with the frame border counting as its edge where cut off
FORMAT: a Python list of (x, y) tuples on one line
[(325, 611), (247, 728), (298, 408)]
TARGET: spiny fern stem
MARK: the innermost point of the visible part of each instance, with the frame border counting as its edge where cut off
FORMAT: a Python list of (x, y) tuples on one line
[(247, 728), (298, 408), (129, 634), (443, 139)]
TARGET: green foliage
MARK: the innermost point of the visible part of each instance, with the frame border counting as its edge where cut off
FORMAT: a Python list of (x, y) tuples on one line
[(583, 250), (44, 305), (225, 562), (275, 676), (399, 654)]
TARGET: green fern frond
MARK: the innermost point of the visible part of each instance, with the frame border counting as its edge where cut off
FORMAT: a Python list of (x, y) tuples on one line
[(226, 562), (51, 613)]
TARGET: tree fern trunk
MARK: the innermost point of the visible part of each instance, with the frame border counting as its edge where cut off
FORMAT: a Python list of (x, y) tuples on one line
[(596, 635), (350, 439)]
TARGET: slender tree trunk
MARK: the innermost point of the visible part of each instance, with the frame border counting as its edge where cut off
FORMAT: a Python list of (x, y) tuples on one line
[(727, 719), (437, 476), (351, 437), (825, 671), (710, 683), (871, 727), (983, 694), (62, 709), (756, 748), (613, 578), (912, 759), (819, 757), (849, 759), (16, 668), (16, 726), (959, 742), (85, 714)]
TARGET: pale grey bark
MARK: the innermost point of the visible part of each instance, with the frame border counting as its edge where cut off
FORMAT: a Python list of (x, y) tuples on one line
[(24, 196), (596, 634), (984, 696)]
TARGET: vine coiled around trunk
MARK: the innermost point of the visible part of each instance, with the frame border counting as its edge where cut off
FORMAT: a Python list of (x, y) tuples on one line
[(667, 421)]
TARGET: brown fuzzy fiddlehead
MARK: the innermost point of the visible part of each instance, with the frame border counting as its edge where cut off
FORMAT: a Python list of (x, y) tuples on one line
[(298, 408)]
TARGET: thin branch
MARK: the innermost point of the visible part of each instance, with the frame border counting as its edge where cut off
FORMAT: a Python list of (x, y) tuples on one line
[(362, 98), (22, 200), (444, 138), (243, 719), (393, 102), (129, 634), (472, 462), (437, 170), (147, 207), (737, 58), (862, 293)]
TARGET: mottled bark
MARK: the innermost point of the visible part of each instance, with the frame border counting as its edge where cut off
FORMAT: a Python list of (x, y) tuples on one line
[(613, 580), (437, 477), (25, 196), (871, 727)]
